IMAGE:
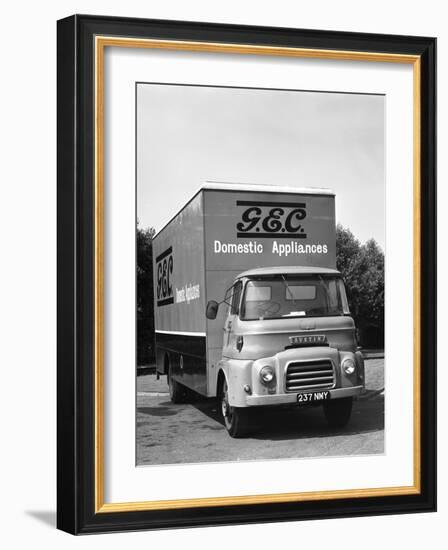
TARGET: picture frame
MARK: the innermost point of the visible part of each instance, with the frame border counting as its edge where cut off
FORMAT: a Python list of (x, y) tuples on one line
[(82, 202)]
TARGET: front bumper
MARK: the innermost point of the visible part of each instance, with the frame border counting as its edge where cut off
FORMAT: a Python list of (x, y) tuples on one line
[(290, 398)]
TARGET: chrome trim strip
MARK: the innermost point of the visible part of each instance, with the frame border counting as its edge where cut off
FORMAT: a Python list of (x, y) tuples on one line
[(299, 374), (180, 333)]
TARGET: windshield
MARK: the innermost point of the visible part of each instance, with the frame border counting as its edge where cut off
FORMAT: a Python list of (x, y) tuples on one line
[(282, 296)]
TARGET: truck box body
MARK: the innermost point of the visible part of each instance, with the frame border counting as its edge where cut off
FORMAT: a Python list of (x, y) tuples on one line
[(222, 231)]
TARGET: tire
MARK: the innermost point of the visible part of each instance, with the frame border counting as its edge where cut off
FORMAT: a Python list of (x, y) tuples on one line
[(338, 412), (176, 390), (236, 419)]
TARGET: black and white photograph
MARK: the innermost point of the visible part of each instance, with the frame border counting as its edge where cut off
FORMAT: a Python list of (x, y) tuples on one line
[(260, 280), (220, 274)]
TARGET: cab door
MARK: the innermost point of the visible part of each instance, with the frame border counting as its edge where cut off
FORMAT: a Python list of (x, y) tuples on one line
[(234, 299)]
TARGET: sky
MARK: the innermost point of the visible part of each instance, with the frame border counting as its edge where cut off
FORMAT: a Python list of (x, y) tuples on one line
[(187, 135)]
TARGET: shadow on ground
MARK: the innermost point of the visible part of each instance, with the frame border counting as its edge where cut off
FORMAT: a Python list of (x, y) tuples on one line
[(48, 517), (301, 423)]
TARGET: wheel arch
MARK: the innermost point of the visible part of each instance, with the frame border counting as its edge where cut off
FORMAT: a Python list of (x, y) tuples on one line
[(220, 381)]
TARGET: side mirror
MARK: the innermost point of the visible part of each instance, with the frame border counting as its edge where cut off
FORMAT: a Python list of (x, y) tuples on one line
[(212, 310)]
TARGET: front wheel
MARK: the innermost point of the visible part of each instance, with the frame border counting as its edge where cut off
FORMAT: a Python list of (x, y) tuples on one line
[(236, 419), (338, 412)]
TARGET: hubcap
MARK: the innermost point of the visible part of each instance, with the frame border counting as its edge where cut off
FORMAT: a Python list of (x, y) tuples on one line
[(225, 408)]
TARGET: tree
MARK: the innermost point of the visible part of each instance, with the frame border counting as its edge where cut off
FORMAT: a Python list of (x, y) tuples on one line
[(362, 267), (145, 292)]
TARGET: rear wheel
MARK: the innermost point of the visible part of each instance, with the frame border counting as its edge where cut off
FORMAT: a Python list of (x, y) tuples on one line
[(338, 412), (177, 390), (236, 419)]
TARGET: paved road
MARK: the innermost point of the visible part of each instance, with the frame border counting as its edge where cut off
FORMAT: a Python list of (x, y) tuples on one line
[(191, 433)]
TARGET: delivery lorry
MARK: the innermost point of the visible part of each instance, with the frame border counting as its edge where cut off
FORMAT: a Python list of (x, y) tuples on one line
[(249, 306)]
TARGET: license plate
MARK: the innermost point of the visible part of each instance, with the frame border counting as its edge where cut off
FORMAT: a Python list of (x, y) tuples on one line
[(312, 397)]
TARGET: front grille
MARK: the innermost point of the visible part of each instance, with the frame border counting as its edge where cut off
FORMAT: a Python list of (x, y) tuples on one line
[(310, 374)]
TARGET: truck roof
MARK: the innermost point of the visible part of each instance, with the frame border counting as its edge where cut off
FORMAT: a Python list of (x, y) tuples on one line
[(258, 187), (265, 188), (289, 270)]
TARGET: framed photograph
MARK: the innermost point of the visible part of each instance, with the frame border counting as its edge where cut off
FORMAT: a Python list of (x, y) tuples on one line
[(246, 274)]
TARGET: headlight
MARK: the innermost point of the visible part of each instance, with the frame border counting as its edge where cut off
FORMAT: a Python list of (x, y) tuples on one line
[(267, 374), (348, 365)]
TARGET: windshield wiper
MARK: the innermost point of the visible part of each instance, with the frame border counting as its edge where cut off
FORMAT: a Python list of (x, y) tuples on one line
[(288, 289)]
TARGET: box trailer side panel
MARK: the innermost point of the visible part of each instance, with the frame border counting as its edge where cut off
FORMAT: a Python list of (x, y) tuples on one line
[(247, 229), (179, 297)]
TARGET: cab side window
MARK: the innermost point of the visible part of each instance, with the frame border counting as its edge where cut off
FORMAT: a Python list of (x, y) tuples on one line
[(236, 295)]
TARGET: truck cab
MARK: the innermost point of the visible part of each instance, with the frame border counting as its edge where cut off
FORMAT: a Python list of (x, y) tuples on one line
[(288, 339)]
